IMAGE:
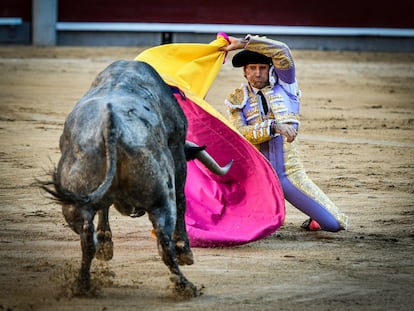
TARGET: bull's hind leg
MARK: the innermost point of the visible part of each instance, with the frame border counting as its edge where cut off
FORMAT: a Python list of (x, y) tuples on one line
[(182, 243), (163, 222), (80, 219), (104, 244), (88, 252)]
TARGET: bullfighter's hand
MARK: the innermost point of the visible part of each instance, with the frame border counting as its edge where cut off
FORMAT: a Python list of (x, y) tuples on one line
[(287, 130), (235, 44)]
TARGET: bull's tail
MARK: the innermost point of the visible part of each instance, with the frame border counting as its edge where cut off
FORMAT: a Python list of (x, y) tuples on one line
[(110, 136)]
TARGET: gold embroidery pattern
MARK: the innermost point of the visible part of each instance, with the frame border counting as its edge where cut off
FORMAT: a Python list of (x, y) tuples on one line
[(258, 129), (254, 101), (236, 97), (280, 53), (287, 118), (253, 113), (259, 132), (297, 175)]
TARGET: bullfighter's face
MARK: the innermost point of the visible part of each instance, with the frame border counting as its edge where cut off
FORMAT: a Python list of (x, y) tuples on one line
[(257, 75)]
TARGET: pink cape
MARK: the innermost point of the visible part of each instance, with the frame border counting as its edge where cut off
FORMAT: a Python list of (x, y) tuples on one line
[(246, 204)]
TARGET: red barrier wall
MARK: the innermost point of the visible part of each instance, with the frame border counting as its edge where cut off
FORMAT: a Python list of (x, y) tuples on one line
[(349, 13)]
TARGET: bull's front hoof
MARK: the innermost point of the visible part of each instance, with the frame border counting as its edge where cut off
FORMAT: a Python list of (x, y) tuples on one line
[(105, 251), (82, 286), (184, 254), (84, 289), (104, 246), (184, 288), (185, 259)]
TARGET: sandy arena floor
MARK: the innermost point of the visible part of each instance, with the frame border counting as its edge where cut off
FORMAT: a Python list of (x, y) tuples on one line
[(356, 142)]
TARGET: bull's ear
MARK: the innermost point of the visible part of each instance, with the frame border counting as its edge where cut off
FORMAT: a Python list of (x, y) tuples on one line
[(191, 152)]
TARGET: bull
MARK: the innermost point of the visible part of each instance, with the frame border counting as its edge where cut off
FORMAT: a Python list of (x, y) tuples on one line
[(124, 145)]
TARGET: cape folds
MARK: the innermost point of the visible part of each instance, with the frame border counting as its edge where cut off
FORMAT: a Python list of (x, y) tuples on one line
[(247, 203)]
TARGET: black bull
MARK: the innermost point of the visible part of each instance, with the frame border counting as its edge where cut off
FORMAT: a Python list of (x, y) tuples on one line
[(124, 144)]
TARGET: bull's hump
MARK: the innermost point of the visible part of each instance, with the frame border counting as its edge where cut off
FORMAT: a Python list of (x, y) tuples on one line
[(129, 74)]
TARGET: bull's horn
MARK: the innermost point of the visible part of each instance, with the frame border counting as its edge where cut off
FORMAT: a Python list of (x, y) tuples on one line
[(209, 162)]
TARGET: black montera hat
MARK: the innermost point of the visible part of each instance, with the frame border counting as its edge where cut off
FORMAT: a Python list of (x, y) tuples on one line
[(247, 57)]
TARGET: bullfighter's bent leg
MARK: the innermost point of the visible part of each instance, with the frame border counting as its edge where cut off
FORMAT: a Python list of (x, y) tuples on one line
[(300, 190)]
